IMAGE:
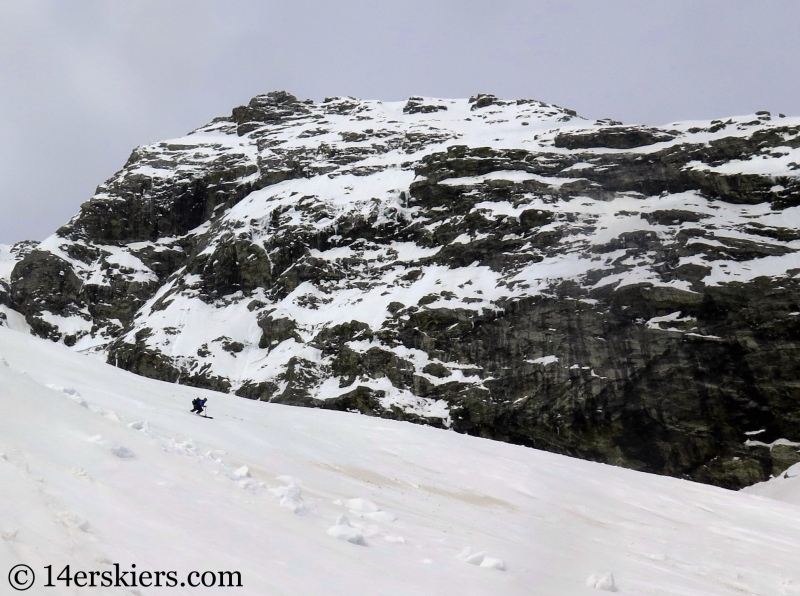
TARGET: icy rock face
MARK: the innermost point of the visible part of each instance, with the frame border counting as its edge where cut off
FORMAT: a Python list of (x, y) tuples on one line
[(503, 268)]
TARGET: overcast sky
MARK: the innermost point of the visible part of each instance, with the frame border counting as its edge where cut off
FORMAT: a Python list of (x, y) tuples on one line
[(82, 82)]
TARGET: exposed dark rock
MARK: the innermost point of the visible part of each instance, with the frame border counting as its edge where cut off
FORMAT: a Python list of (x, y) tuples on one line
[(417, 105), (616, 137), (273, 108)]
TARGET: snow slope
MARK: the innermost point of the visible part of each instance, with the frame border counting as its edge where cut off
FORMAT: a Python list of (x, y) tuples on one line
[(7, 261), (10, 255), (101, 466), (784, 487)]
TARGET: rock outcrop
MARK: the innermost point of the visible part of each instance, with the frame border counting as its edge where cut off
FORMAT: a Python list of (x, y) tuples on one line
[(626, 294)]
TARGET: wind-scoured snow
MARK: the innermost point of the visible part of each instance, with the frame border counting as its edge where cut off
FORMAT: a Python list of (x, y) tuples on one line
[(99, 466)]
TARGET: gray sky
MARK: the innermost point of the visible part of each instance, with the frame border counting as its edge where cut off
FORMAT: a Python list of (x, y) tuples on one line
[(82, 82)]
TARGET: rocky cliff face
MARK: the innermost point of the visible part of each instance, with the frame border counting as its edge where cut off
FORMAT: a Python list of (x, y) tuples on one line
[(626, 294)]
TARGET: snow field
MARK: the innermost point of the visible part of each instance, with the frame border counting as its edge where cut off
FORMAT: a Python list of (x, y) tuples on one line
[(98, 466)]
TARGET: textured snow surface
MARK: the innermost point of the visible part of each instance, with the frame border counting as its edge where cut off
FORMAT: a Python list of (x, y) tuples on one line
[(100, 466)]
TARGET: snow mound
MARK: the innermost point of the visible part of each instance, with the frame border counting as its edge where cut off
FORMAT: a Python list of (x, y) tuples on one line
[(290, 497), (243, 472), (479, 559), (602, 581), (344, 531)]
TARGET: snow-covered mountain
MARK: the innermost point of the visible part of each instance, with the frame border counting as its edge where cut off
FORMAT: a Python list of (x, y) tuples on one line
[(101, 467), (503, 268)]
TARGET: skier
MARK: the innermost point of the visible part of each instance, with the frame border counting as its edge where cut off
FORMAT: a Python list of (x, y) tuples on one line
[(198, 405)]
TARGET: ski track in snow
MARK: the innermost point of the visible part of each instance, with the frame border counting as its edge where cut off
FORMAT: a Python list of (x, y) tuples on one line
[(98, 466)]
